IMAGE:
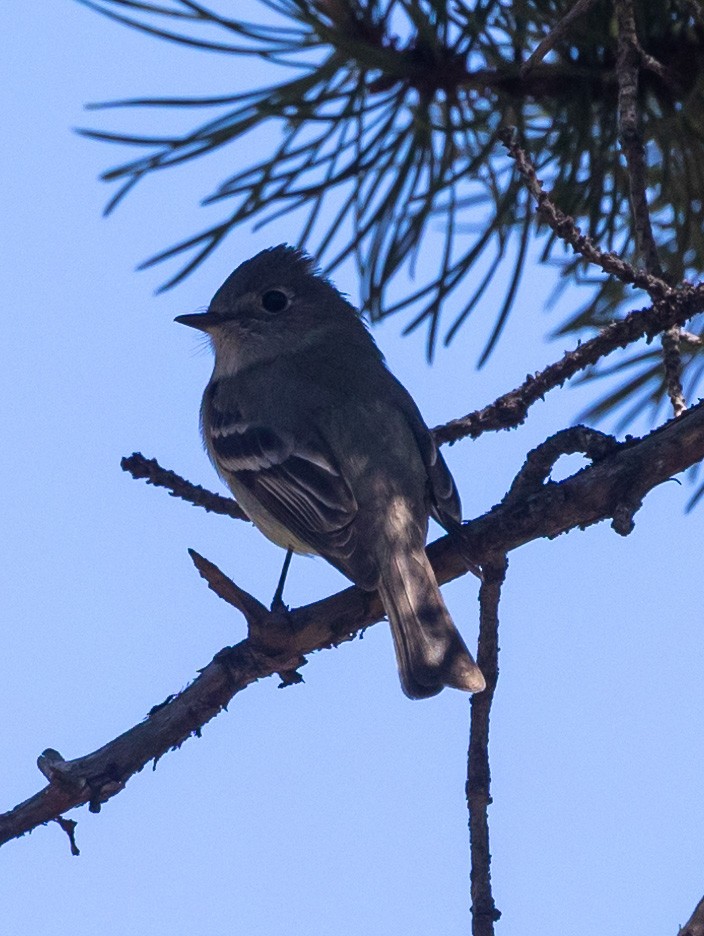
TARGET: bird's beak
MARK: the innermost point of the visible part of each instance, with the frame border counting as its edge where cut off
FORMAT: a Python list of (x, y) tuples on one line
[(203, 321)]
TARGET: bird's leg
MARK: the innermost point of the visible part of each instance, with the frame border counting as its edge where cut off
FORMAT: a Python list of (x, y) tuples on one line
[(278, 604)]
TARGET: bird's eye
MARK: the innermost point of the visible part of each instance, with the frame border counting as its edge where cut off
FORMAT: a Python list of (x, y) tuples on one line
[(274, 300)]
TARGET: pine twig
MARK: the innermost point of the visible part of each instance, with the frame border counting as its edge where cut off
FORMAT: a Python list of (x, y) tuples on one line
[(511, 409), (566, 229)]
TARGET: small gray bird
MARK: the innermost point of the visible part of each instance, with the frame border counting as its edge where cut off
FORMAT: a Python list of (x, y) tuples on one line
[(327, 452)]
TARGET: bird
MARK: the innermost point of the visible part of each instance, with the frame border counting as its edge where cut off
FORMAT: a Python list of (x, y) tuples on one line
[(327, 452)]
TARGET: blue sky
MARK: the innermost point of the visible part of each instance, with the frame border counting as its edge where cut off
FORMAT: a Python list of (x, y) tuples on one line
[(336, 805)]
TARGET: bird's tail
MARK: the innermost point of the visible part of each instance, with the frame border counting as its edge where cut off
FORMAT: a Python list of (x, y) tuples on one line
[(430, 652)]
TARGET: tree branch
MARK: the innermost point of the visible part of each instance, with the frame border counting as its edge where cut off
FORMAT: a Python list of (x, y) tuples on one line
[(695, 925), (540, 462), (596, 493), (510, 410), (150, 469), (484, 910), (672, 362)]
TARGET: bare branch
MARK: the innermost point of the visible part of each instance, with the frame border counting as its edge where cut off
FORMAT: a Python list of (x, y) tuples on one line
[(695, 925), (510, 410), (253, 611), (484, 910), (140, 467), (672, 361), (272, 640), (593, 494)]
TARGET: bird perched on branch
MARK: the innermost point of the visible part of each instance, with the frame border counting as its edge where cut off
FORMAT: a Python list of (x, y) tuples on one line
[(327, 452)]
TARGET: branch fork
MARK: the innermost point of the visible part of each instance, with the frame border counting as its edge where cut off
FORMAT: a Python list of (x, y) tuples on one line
[(270, 633)]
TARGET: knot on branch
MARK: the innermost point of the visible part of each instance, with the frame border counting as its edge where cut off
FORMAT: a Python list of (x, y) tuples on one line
[(541, 460), (73, 780), (622, 521), (58, 771), (102, 791)]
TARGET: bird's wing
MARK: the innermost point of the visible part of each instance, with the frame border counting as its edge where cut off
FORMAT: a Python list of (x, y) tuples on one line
[(299, 483), (444, 499)]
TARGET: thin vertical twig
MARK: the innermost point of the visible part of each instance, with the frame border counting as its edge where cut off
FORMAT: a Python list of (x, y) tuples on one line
[(484, 910), (628, 64), (673, 369)]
